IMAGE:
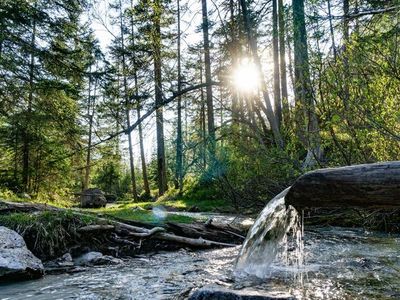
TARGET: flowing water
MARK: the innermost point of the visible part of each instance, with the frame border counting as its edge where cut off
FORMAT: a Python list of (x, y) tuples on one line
[(339, 263), (276, 230), (335, 263)]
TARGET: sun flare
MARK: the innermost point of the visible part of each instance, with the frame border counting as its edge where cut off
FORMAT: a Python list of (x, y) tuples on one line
[(246, 77)]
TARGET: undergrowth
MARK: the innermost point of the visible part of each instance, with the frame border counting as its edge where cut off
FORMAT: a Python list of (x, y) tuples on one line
[(47, 234)]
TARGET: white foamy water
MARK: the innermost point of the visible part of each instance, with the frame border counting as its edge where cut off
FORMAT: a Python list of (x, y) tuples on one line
[(276, 234)]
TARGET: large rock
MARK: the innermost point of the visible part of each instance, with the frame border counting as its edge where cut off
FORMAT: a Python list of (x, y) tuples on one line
[(217, 293), (93, 198), (16, 261)]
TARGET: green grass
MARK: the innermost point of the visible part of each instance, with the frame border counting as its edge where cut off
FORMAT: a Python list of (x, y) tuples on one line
[(47, 234), (206, 205), (135, 212), (62, 199)]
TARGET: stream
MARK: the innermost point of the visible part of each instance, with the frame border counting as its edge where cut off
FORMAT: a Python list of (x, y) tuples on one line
[(339, 263)]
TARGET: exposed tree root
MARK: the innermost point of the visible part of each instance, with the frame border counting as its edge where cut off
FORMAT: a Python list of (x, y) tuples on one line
[(111, 234)]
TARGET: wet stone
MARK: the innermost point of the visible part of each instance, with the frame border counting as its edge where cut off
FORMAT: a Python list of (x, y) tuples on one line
[(218, 293), (95, 259), (16, 261)]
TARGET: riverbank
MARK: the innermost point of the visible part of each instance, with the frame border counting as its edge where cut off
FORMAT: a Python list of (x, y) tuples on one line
[(50, 232)]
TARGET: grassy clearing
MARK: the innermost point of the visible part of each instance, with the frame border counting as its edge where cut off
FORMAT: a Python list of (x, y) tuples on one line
[(61, 198), (185, 204), (135, 212), (202, 200)]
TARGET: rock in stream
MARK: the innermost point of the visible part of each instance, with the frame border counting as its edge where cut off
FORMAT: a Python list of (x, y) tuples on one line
[(218, 293), (16, 261)]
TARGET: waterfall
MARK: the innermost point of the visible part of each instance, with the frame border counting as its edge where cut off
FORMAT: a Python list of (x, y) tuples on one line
[(276, 232)]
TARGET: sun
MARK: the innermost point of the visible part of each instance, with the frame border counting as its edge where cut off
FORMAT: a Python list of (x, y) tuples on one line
[(246, 77)]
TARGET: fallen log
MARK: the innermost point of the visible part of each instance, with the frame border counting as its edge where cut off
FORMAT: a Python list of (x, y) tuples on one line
[(194, 242), (220, 232), (368, 185), (96, 227), (9, 207)]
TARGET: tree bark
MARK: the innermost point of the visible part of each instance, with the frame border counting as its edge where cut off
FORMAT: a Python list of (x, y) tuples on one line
[(234, 50), (209, 95), (275, 51), (26, 132), (90, 113), (346, 33), (306, 119), (331, 29), (127, 110), (179, 142), (146, 185), (161, 162), (282, 60), (368, 185), (203, 120)]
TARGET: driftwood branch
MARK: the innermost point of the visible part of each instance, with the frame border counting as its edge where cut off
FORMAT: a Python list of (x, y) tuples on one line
[(150, 233), (96, 227)]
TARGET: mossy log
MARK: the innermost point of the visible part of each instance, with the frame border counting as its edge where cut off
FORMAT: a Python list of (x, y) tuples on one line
[(366, 186)]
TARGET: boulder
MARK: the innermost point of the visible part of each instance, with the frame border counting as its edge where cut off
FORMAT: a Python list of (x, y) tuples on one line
[(218, 293), (93, 198), (111, 198), (16, 261), (63, 264), (96, 258)]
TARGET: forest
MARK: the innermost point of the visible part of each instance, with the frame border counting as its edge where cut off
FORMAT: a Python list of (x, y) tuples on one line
[(180, 105), (270, 89)]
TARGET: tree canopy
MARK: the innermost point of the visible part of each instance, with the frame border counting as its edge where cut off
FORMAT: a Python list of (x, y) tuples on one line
[(218, 99)]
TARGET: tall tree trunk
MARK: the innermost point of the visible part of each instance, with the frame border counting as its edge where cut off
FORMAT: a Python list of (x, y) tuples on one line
[(179, 146), (26, 132), (146, 185), (161, 162), (346, 33), (306, 119), (16, 157), (234, 53), (282, 60), (203, 120), (331, 29), (275, 51), (90, 113), (209, 95), (290, 64), (127, 110), (252, 41)]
